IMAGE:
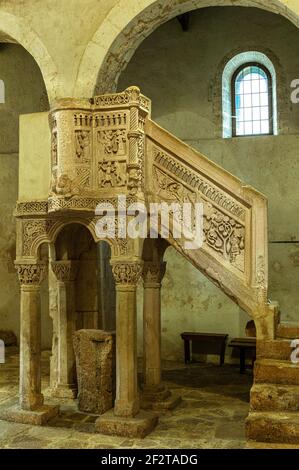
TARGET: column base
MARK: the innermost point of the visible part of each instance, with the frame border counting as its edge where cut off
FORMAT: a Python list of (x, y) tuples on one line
[(138, 426), (37, 417), (159, 399), (62, 391)]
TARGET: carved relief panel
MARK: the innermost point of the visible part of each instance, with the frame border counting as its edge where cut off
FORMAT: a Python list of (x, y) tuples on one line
[(111, 149), (223, 217)]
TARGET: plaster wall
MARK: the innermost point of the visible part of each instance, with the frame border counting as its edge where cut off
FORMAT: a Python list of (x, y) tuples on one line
[(24, 93)]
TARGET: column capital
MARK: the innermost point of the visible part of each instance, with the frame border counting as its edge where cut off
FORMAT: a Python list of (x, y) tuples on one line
[(153, 272), (126, 273), (31, 274), (65, 270)]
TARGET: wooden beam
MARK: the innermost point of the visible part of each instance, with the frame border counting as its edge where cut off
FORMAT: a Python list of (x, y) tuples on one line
[(184, 20)]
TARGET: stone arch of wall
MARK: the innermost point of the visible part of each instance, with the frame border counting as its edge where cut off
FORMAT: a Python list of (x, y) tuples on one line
[(125, 30), (16, 30)]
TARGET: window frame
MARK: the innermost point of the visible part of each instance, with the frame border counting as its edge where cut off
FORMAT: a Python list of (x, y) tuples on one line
[(233, 99)]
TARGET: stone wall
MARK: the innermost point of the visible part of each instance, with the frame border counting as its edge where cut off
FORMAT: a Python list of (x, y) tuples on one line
[(24, 93), (180, 71)]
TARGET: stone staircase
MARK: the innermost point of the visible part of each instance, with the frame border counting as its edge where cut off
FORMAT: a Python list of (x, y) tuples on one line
[(274, 398)]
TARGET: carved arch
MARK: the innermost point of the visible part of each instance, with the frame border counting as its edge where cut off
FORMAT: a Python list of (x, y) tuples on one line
[(103, 66)]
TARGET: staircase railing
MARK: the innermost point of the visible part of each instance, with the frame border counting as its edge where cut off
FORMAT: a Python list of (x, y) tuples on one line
[(234, 254)]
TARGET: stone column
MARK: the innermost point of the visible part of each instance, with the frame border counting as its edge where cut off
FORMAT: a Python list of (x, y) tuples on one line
[(152, 276), (30, 277), (126, 419), (31, 409), (155, 394), (126, 275), (65, 272)]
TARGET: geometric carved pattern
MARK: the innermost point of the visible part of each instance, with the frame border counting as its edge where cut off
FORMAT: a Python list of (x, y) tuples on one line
[(31, 207)]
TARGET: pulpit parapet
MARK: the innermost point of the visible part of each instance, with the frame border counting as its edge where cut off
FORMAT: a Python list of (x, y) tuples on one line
[(97, 148)]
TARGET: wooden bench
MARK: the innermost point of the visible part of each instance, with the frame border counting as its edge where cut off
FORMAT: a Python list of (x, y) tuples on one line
[(244, 344), (204, 343)]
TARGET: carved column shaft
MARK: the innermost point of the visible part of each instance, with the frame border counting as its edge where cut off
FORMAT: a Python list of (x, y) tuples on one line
[(126, 276), (152, 276), (66, 272), (30, 278)]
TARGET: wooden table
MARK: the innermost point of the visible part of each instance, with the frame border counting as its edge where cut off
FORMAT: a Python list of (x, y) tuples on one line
[(205, 343), (244, 344)]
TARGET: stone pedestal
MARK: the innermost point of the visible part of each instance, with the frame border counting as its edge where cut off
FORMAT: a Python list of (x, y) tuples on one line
[(138, 426), (38, 416), (95, 361)]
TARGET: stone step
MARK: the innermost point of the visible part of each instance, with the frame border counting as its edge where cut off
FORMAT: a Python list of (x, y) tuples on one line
[(274, 349), (287, 330), (276, 372), (273, 397), (269, 445), (273, 427)]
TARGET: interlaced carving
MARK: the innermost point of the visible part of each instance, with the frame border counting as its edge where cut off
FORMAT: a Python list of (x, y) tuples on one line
[(34, 207), (31, 274), (224, 235), (32, 229), (126, 273)]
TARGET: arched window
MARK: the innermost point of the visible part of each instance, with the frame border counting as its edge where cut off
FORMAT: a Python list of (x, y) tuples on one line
[(252, 100), (249, 102), (2, 92)]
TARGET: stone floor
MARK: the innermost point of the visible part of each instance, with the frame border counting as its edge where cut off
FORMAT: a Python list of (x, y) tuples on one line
[(211, 415)]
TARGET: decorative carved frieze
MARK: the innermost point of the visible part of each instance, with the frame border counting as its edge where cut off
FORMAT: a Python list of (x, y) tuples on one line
[(198, 183), (31, 274), (132, 94), (65, 270), (153, 272), (126, 272), (83, 119), (34, 208), (113, 99), (171, 190), (84, 203), (111, 119)]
